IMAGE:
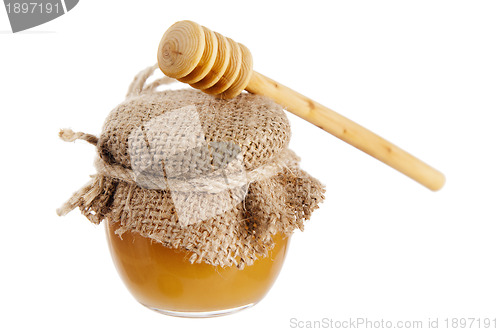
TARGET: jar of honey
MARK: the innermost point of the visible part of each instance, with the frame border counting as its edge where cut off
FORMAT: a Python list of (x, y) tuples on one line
[(199, 196), (164, 280)]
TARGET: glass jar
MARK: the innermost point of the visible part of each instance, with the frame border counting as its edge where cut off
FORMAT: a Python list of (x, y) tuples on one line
[(163, 279)]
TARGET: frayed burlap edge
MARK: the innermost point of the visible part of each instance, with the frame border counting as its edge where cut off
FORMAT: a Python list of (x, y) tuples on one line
[(278, 204)]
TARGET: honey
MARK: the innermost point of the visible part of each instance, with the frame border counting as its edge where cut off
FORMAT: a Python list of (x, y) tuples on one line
[(191, 170), (164, 280)]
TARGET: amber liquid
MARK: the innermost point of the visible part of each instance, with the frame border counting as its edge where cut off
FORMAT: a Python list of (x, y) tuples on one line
[(163, 279)]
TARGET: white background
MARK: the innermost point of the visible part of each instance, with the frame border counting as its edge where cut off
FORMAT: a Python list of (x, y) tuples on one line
[(423, 74)]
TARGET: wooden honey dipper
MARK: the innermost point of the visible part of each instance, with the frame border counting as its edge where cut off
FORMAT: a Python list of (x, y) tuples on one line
[(217, 65)]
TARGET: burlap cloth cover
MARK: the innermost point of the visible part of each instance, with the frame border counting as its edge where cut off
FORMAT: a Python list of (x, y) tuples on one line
[(212, 176)]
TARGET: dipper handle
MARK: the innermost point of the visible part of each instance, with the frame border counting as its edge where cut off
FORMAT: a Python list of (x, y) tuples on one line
[(219, 66)]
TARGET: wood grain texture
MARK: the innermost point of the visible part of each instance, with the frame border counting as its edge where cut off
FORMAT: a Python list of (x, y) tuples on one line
[(181, 49)]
